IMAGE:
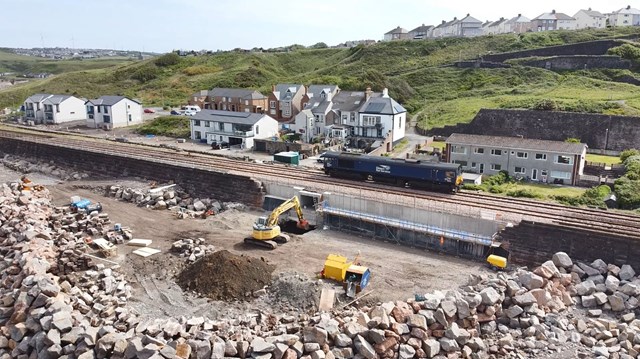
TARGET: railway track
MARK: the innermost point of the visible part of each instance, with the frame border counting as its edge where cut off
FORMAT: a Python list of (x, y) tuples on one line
[(618, 223)]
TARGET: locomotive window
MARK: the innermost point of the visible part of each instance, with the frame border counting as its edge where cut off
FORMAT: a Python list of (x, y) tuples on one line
[(346, 163), (450, 174)]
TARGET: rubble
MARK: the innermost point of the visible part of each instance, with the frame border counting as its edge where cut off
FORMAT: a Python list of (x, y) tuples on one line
[(27, 166), (192, 249), (55, 302)]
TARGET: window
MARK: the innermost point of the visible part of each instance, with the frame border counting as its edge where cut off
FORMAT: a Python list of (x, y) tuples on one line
[(106, 119), (246, 102), (272, 104), (461, 163), (206, 123), (541, 156), (257, 130), (224, 99), (353, 116), (478, 151), (565, 160), (196, 122), (560, 174), (473, 165), (400, 123), (130, 119), (57, 108), (197, 135), (496, 152), (220, 126), (106, 109), (496, 167), (370, 120), (522, 155), (458, 149), (128, 107), (99, 108), (520, 170)]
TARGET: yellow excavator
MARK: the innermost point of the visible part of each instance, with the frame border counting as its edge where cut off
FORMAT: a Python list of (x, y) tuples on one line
[(266, 231)]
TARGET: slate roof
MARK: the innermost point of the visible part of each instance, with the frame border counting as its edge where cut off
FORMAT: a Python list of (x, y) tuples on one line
[(497, 22), (316, 90), (201, 93), (517, 19), (281, 91), (592, 13), (39, 97), (349, 101), (470, 19), (516, 143), (628, 10), (383, 106), (236, 93), (242, 118), (57, 99), (422, 28), (553, 16), (397, 30), (109, 100)]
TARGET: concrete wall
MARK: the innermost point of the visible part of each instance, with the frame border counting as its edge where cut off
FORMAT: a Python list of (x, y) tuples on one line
[(623, 131), (598, 47), (579, 62), (532, 243), (198, 182)]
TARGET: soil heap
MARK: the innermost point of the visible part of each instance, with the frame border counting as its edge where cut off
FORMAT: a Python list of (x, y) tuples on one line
[(226, 276)]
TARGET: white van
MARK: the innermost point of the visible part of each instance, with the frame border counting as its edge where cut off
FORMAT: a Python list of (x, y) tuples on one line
[(191, 108)]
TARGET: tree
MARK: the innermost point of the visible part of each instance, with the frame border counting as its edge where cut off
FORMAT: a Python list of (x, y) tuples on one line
[(628, 153), (320, 45), (572, 140)]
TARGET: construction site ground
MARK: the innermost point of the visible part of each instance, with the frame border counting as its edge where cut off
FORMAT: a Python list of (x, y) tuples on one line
[(398, 272)]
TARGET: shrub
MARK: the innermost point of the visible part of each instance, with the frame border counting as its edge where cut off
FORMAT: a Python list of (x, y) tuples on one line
[(171, 126), (626, 51), (146, 73), (628, 153), (472, 187), (572, 140), (168, 59), (498, 179), (628, 193), (524, 193)]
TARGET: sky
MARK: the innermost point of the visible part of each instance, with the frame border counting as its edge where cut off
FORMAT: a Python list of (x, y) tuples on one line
[(166, 25)]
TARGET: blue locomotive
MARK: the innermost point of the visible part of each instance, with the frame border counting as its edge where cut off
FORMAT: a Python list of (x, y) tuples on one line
[(412, 173)]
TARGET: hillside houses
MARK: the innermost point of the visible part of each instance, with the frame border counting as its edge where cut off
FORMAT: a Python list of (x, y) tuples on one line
[(553, 20)]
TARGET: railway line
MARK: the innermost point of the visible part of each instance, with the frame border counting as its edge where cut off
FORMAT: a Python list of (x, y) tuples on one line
[(596, 220)]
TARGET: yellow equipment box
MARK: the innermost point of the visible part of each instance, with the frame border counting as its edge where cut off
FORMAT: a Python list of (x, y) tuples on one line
[(497, 261), (335, 267)]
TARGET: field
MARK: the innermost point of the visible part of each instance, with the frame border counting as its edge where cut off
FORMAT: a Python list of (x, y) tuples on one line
[(412, 71), (610, 160)]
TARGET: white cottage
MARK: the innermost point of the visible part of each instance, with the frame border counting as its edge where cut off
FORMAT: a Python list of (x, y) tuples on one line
[(381, 115), (234, 128), (110, 112), (48, 108)]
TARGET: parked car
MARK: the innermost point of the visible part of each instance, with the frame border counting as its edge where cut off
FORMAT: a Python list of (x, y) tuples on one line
[(191, 108), (175, 113), (219, 145), (189, 113), (149, 110)]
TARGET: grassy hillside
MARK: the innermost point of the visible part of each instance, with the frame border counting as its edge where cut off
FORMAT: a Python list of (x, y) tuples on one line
[(412, 70), (10, 62)]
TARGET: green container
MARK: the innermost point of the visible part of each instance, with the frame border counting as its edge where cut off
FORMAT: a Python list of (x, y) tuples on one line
[(292, 158)]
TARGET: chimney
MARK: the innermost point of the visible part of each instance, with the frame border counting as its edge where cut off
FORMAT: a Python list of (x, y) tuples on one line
[(468, 14), (519, 15), (273, 88), (443, 21), (589, 9), (306, 89), (367, 94), (553, 11), (385, 92)]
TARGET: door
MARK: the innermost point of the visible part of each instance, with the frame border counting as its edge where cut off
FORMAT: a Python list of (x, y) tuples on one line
[(481, 168), (534, 174)]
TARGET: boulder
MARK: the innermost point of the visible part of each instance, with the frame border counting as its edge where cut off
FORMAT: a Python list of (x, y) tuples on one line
[(626, 272), (431, 347), (616, 303), (315, 335), (489, 296), (531, 281), (364, 348), (562, 260)]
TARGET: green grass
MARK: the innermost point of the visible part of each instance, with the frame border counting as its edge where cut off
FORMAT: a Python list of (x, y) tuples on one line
[(438, 144), (610, 160), (544, 190), (411, 70), (11, 62), (170, 126)]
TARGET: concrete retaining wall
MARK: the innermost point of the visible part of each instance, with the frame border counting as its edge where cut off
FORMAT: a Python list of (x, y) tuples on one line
[(532, 243), (579, 62), (598, 47), (198, 182), (623, 131)]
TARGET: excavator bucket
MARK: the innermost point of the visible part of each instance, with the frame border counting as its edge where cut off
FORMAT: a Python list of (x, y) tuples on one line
[(303, 224)]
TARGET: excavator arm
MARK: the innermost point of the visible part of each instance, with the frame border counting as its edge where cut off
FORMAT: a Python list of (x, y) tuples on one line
[(285, 206)]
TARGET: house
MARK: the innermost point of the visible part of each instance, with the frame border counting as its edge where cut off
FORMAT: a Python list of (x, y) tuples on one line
[(485, 27), (438, 30), (380, 116), (627, 16), (396, 34), (553, 20), (517, 25), (48, 108), (449, 28), (537, 160), (319, 93), (110, 112), (199, 98), (236, 100), (304, 125), (421, 32), (346, 107), (235, 128), (285, 101), (590, 19), (495, 27), (468, 27)]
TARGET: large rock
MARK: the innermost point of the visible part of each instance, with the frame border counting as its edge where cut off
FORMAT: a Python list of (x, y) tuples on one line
[(343, 340), (617, 303), (612, 283), (513, 311), (449, 307), (449, 345), (589, 301), (585, 288), (315, 335), (562, 259), (417, 320), (364, 348), (489, 296), (431, 347), (547, 270), (626, 272), (525, 299), (531, 280), (259, 345), (406, 352)]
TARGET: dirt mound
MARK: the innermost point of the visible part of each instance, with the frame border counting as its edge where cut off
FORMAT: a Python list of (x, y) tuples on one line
[(296, 290), (225, 276)]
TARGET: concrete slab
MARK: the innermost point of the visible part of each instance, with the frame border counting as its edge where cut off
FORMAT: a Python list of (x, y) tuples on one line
[(146, 252), (327, 299), (139, 242)]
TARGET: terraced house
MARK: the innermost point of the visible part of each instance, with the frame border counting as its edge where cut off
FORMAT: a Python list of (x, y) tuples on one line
[(534, 160), (53, 109), (235, 128), (109, 112), (285, 101)]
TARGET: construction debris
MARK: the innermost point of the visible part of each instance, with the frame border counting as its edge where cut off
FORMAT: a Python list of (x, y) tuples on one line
[(192, 249), (146, 252)]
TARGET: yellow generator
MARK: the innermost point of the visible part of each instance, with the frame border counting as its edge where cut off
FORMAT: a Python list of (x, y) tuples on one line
[(497, 258), (354, 277)]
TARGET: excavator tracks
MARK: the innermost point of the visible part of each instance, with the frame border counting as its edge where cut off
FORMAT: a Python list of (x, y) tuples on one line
[(259, 243)]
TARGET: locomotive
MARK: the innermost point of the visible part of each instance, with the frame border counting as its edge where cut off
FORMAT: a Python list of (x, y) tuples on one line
[(436, 176)]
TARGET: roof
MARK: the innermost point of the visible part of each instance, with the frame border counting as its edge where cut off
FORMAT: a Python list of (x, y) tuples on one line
[(470, 19), (517, 19), (383, 106), (350, 101), (200, 93), (627, 10), (422, 28), (517, 143), (57, 99), (316, 90), (39, 97), (497, 22), (241, 93), (397, 30), (591, 13), (109, 100), (553, 16), (243, 118), (286, 91)]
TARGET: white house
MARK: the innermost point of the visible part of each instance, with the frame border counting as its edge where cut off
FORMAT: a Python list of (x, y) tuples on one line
[(304, 124), (235, 128), (553, 20), (48, 108), (381, 115), (590, 19), (627, 16), (517, 25), (110, 112)]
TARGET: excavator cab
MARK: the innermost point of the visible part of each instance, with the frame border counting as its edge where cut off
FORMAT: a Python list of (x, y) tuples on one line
[(266, 231)]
